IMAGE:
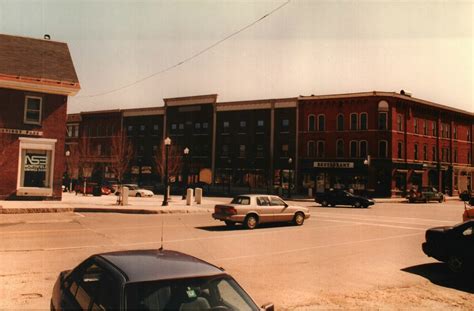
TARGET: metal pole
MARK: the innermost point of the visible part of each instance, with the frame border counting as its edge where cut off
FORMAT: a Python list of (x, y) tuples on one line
[(165, 198)]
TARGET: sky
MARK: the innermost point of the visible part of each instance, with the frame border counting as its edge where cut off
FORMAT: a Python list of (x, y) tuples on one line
[(305, 47)]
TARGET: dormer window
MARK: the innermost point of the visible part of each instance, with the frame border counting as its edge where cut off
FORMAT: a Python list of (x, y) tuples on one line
[(32, 110)]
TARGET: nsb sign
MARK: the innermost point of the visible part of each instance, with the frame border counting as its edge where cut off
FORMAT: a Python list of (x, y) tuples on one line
[(35, 162)]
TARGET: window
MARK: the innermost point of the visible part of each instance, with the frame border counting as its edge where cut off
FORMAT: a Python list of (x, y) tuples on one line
[(425, 153), (205, 125), (285, 122), (469, 157), (174, 126), (382, 120), (284, 150), (400, 150), (468, 135), (181, 126), (321, 123), (340, 122), (32, 110), (353, 149), (399, 122), (415, 125), (311, 123), (242, 151), (260, 123), (354, 121), (142, 128), (35, 176), (156, 128), (363, 149), (276, 201), (321, 148), (363, 121), (263, 201), (226, 124), (197, 126), (455, 132), (383, 149), (433, 128), (99, 149), (433, 153), (259, 151), (339, 148), (415, 152), (225, 150), (243, 124), (311, 149), (425, 128), (73, 130), (455, 155)]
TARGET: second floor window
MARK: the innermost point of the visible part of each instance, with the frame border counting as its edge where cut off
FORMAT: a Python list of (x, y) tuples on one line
[(340, 122), (400, 150), (321, 123), (259, 151), (225, 150), (197, 126), (415, 152), (455, 132), (353, 149), (363, 121), (433, 128), (399, 122), (32, 110), (433, 154), (383, 149), (415, 126), (285, 122), (311, 149), (242, 151), (382, 120), (354, 121), (243, 124), (339, 148), (284, 150), (363, 149), (425, 153), (225, 124), (425, 128), (260, 123), (321, 149)]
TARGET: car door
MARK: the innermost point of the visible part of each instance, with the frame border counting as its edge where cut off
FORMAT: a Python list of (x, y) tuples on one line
[(264, 209), (280, 209), (466, 243)]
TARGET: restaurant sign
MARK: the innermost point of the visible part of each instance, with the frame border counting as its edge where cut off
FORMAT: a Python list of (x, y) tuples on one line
[(20, 132), (333, 164)]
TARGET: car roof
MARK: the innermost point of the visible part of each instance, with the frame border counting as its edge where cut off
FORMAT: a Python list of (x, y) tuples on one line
[(155, 265)]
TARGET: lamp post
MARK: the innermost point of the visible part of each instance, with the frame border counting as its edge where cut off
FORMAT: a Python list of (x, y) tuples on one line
[(185, 172), (167, 146), (229, 162), (290, 160), (367, 163), (68, 153)]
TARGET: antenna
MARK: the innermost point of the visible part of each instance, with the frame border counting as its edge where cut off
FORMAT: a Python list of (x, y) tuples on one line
[(162, 225)]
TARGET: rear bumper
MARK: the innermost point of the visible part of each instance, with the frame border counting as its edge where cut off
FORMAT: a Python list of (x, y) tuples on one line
[(224, 217), (431, 250)]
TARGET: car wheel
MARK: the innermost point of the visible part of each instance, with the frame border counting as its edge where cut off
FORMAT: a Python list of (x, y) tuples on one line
[(229, 223), (298, 220), (138, 195), (324, 203), (365, 205), (455, 263), (357, 204), (440, 200), (251, 222)]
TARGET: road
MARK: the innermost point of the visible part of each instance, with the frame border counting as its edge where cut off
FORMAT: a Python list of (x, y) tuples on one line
[(340, 257)]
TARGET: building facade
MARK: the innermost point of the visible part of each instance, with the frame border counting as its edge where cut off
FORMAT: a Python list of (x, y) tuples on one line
[(376, 143), (33, 105)]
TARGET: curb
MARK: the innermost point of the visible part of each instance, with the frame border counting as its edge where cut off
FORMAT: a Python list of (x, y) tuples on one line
[(102, 210)]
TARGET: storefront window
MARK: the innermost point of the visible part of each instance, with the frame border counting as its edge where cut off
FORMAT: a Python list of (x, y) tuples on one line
[(35, 168)]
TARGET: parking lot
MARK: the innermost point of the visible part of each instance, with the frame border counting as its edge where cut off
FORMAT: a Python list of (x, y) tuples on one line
[(340, 258)]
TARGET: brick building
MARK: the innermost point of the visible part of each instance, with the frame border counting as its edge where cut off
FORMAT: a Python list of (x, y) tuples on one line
[(36, 78), (381, 143)]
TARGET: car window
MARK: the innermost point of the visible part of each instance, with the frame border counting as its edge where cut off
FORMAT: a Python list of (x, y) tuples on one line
[(263, 201), (242, 200), (276, 201), (231, 297)]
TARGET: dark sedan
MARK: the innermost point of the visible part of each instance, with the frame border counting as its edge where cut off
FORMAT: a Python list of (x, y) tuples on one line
[(148, 280), (453, 245), (342, 197)]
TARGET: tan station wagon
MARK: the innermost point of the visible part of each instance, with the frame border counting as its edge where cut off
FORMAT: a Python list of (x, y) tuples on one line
[(253, 209)]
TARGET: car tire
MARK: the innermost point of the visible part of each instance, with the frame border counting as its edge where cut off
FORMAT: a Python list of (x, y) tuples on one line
[(440, 200), (455, 263), (251, 222), (298, 219), (365, 205), (324, 203), (357, 204), (229, 223), (138, 195)]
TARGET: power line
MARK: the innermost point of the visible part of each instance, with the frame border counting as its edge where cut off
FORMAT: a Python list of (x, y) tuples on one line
[(190, 57)]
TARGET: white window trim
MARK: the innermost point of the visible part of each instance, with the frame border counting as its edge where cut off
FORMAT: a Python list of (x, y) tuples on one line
[(350, 148), (315, 123), (39, 144), (366, 119), (337, 122), (350, 121), (40, 110), (324, 127)]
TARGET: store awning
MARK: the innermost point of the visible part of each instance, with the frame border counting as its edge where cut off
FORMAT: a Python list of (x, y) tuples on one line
[(418, 171), (401, 171)]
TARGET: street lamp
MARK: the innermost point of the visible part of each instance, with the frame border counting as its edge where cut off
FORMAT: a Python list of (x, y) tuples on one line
[(68, 153), (167, 146), (367, 163), (290, 160), (229, 175), (185, 172)]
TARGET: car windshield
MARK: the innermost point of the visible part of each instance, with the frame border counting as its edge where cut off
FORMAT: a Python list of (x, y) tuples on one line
[(132, 187), (219, 293), (242, 200)]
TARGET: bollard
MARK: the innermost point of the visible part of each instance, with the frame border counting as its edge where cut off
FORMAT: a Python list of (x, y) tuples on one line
[(198, 195), (189, 196), (124, 195), (310, 192)]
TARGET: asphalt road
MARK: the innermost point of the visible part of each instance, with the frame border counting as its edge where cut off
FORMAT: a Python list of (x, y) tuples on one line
[(340, 257)]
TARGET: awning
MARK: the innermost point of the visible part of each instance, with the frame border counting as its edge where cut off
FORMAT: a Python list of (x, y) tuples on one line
[(401, 171), (418, 171)]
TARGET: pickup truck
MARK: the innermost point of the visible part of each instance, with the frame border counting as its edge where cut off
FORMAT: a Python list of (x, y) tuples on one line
[(342, 197)]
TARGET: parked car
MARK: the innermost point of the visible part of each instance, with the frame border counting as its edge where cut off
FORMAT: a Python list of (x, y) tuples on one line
[(425, 194), (342, 197), (135, 191), (93, 188), (254, 209), (465, 195), (468, 210), (148, 280), (453, 245)]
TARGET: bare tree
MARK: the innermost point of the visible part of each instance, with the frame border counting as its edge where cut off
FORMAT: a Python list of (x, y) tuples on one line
[(84, 163), (174, 160), (121, 154), (73, 163)]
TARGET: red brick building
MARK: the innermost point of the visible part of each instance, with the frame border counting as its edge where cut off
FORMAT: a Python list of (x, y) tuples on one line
[(36, 78)]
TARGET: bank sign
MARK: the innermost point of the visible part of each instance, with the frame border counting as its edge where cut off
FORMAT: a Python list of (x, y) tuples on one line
[(36, 163), (333, 164)]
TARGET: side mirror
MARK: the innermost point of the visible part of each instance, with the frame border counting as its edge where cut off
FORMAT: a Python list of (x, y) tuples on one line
[(286, 205), (268, 306)]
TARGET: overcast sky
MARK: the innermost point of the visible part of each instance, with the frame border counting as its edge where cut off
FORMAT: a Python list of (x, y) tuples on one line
[(304, 48)]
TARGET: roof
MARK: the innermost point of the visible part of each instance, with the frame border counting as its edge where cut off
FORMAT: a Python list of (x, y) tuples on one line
[(36, 61), (151, 265)]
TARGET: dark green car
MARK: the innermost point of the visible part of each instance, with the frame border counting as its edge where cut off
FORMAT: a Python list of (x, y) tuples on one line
[(425, 194)]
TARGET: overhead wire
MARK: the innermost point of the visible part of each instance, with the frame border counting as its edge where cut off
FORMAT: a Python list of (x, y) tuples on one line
[(197, 54)]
